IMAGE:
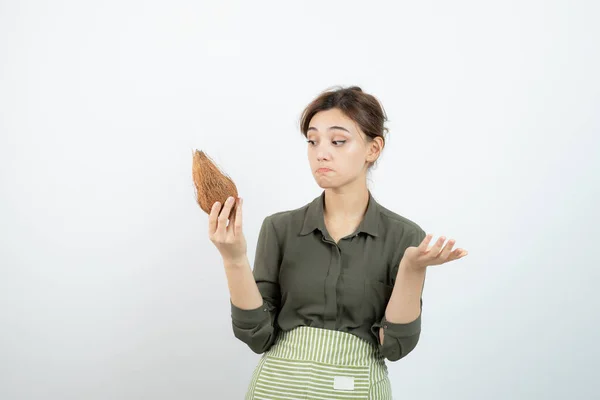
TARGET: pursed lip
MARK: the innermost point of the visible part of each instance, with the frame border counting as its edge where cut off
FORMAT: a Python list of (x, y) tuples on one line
[(324, 170)]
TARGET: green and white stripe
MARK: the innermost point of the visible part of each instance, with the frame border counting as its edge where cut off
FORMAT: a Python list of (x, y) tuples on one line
[(312, 363)]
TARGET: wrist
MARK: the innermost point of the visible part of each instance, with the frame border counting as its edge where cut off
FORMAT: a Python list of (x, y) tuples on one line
[(407, 266), (234, 263)]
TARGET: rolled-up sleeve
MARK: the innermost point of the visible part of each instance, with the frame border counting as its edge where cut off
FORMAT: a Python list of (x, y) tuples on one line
[(258, 327), (398, 339)]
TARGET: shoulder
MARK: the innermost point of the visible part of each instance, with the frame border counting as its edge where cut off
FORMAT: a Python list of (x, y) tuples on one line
[(398, 233), (284, 224), (287, 218), (399, 227), (397, 221)]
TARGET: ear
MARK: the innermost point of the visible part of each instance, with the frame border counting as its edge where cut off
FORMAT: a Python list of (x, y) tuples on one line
[(375, 147)]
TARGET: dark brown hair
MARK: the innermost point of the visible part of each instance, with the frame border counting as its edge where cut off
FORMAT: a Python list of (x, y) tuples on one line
[(361, 107)]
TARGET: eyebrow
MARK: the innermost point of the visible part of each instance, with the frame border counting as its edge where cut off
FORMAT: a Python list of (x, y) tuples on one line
[(312, 128)]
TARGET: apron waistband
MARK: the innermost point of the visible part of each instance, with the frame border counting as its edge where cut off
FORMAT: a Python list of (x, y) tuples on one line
[(325, 346)]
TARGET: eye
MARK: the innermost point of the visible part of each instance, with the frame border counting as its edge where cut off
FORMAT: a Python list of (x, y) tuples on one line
[(333, 141)]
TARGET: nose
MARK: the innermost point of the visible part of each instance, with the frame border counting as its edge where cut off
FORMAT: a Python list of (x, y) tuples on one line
[(322, 154)]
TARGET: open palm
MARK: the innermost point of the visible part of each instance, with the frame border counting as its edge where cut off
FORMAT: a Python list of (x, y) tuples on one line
[(423, 255)]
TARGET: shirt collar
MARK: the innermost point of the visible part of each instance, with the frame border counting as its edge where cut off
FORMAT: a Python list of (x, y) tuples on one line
[(314, 217)]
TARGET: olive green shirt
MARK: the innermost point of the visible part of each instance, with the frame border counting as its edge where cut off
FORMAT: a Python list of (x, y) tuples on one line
[(306, 279)]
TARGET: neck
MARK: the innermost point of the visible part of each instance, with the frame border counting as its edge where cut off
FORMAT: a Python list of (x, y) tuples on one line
[(346, 203)]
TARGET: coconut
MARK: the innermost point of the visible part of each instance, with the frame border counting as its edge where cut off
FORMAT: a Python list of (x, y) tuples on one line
[(211, 183)]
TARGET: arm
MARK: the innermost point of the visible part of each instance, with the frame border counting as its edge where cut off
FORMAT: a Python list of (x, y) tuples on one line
[(243, 290), (402, 320), (399, 330), (255, 294)]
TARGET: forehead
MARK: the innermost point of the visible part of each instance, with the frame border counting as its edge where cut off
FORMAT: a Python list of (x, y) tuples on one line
[(323, 120)]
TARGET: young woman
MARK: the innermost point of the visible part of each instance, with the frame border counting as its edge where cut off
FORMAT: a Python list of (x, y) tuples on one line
[(336, 287)]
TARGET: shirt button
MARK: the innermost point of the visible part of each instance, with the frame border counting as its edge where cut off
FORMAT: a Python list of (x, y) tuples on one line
[(385, 327), (264, 309)]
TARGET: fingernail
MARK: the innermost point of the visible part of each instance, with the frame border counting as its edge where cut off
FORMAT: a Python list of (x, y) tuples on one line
[(229, 199)]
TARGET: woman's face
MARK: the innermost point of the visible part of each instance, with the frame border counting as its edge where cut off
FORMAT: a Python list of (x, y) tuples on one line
[(336, 142)]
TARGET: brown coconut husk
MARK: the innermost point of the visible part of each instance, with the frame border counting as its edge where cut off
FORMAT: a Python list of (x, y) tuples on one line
[(211, 183)]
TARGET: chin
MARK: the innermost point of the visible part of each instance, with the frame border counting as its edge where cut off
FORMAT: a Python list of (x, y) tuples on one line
[(326, 183), (323, 183), (325, 186)]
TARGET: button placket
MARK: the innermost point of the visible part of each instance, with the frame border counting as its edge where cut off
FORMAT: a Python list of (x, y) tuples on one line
[(330, 317)]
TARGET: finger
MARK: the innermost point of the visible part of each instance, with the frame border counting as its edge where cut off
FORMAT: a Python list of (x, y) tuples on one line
[(230, 226), (224, 216), (212, 218), (425, 243), (458, 253), (447, 249), (238, 218), (435, 250)]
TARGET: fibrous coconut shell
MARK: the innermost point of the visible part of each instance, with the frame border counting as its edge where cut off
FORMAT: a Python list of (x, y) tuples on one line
[(211, 183)]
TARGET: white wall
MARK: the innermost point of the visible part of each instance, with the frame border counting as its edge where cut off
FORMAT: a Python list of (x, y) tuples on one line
[(109, 286)]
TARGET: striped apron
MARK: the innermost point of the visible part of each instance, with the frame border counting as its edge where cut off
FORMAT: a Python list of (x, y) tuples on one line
[(315, 363)]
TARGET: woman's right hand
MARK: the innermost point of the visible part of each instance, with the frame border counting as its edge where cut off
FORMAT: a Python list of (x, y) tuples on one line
[(229, 240)]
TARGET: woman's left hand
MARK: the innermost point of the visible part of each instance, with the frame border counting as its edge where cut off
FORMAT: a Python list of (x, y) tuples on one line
[(423, 256)]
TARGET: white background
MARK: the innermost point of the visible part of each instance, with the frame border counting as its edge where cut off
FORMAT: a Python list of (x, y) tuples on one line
[(109, 285)]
